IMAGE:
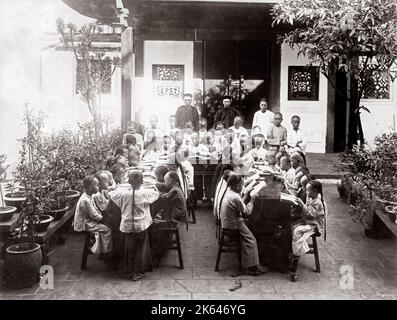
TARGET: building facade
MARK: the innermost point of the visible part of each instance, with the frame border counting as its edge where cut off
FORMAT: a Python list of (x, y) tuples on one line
[(173, 47)]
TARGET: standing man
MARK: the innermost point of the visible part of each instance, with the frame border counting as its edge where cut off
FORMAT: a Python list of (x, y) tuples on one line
[(226, 114), (295, 139), (187, 113), (263, 118)]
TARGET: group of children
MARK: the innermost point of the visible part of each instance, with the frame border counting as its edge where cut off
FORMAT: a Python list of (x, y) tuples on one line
[(139, 206), (234, 146), (231, 203), (154, 143)]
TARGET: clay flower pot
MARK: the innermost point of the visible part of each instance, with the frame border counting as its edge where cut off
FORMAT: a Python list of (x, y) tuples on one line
[(58, 213), (15, 199), (45, 221), (22, 264), (6, 213)]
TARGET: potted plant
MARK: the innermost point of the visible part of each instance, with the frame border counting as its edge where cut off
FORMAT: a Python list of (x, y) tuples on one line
[(58, 200), (6, 211), (371, 179), (24, 258)]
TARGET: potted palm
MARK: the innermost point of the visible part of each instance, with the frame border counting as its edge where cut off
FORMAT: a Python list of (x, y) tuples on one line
[(6, 211)]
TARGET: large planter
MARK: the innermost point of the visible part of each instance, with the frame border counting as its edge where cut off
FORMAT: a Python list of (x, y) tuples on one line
[(15, 199), (22, 264), (6, 213), (71, 196), (58, 213), (45, 221)]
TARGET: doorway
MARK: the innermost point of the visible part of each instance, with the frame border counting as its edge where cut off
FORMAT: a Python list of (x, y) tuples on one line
[(247, 59)]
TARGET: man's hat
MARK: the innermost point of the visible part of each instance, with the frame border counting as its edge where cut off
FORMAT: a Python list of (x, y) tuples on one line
[(226, 97)]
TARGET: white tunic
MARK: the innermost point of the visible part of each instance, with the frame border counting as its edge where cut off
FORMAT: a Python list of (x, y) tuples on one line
[(264, 120)]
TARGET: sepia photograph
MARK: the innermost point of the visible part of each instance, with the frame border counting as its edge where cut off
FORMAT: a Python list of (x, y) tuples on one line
[(198, 155)]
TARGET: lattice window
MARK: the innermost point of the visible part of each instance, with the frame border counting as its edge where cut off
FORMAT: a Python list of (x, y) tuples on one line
[(99, 70), (378, 87), (168, 79), (303, 83)]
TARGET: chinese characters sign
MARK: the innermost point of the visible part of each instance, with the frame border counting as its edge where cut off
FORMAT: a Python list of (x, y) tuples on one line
[(168, 80)]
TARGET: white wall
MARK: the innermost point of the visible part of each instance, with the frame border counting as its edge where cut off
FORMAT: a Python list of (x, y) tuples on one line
[(383, 116), (162, 52), (24, 24), (64, 107), (313, 113)]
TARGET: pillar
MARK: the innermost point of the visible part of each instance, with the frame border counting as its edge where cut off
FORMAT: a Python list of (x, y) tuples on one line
[(127, 77)]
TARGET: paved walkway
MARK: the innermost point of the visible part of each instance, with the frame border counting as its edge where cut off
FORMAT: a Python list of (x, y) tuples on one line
[(374, 264), (323, 165)]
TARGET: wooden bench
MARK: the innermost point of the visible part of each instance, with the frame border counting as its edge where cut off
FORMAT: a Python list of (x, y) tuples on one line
[(54, 226), (385, 219)]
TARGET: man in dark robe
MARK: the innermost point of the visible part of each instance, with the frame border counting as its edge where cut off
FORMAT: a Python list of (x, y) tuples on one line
[(187, 113), (226, 114)]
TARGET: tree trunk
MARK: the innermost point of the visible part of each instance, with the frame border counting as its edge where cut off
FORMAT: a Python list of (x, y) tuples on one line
[(354, 103)]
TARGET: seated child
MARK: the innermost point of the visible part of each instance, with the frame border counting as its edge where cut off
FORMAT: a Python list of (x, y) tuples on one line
[(232, 212), (313, 217), (258, 152), (160, 172), (133, 155), (301, 194), (287, 172), (132, 130), (102, 197), (121, 151), (202, 130), (112, 183), (176, 202), (88, 218), (119, 173)]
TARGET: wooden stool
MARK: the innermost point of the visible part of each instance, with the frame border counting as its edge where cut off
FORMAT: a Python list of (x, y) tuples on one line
[(86, 249), (229, 241), (314, 250), (173, 229)]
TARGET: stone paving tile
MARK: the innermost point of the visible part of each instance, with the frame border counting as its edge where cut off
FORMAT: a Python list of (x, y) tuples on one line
[(156, 286), (176, 273), (374, 265)]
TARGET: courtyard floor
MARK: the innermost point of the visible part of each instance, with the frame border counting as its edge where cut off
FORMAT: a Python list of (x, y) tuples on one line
[(374, 265)]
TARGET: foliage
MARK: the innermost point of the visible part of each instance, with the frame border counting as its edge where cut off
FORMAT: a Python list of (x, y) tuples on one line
[(95, 63), (3, 174), (229, 87), (32, 175), (358, 37), (372, 175), (50, 165)]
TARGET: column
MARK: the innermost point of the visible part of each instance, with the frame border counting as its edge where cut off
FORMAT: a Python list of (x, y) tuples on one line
[(127, 77)]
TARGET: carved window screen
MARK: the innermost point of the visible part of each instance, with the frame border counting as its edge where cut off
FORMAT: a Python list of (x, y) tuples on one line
[(303, 83), (378, 87)]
